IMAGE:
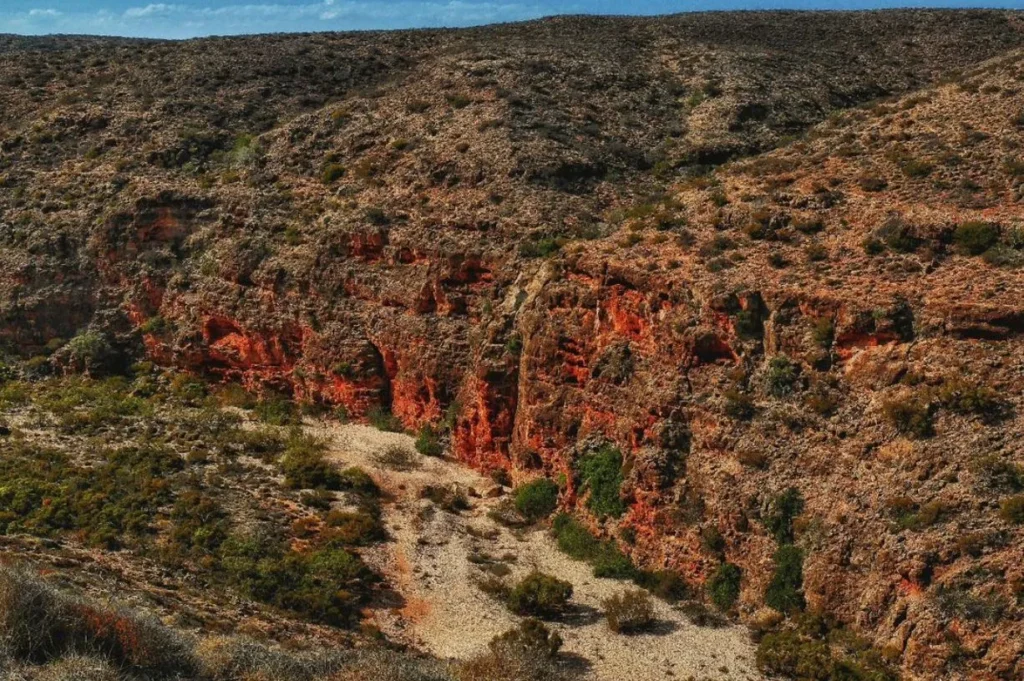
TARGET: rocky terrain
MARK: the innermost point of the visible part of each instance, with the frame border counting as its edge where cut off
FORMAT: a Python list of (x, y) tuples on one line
[(747, 287)]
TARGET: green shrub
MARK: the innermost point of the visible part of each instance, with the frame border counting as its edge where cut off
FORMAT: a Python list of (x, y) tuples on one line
[(873, 246), (999, 474), (449, 497), (573, 538), (43, 493), (89, 353), (458, 101), (739, 405), (824, 332), (332, 172), (629, 613), (83, 405), (276, 410), (353, 528), (898, 236), (788, 655), (377, 216), (615, 364), (531, 636), (909, 515), (750, 323), (810, 225), (198, 525), (784, 509), (514, 345), (601, 474), (917, 168), (909, 416), (958, 600), (7, 372), (1012, 509), (154, 325), (304, 466), (537, 499), (784, 592), (319, 499), (541, 247), (782, 376), (357, 480), (382, 419), (967, 398), (540, 595), (872, 184), (724, 586), (327, 585), (526, 653), (235, 395), (605, 557), (428, 442), (806, 654), (189, 390), (711, 540), (611, 563), (261, 443), (1001, 255), (816, 252), (667, 585), (974, 238)]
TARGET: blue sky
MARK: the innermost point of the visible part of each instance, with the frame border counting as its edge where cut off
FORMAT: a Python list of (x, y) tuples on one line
[(189, 18)]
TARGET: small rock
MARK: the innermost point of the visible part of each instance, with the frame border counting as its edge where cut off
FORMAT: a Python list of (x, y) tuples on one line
[(494, 492), (4, 431)]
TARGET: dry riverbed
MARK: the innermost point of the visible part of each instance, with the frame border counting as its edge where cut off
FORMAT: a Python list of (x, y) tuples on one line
[(436, 558)]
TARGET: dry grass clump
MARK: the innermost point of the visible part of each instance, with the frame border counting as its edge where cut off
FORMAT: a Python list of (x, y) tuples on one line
[(78, 668), (40, 624), (378, 665), (398, 458), (526, 653), (231, 659), (629, 613)]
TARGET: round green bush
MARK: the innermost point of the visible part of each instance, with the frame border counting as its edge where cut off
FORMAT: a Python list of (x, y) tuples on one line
[(974, 238), (537, 499), (724, 586), (601, 474), (540, 595), (784, 592)]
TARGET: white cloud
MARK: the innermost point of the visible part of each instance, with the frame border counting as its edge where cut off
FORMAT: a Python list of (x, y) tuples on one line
[(231, 17), (154, 9)]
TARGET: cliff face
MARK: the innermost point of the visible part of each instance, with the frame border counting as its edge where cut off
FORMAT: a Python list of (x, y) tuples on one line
[(517, 227)]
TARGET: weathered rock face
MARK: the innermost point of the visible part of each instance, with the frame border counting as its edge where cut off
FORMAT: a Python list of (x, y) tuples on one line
[(509, 230)]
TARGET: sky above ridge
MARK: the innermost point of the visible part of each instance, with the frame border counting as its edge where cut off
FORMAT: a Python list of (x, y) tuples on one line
[(191, 18)]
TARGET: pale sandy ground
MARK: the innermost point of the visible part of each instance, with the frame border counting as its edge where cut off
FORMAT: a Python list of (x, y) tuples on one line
[(442, 611)]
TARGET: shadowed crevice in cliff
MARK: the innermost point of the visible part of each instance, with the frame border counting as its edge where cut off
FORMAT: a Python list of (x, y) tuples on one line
[(377, 366)]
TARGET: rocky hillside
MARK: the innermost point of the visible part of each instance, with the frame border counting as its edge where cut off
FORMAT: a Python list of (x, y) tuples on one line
[(569, 241)]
